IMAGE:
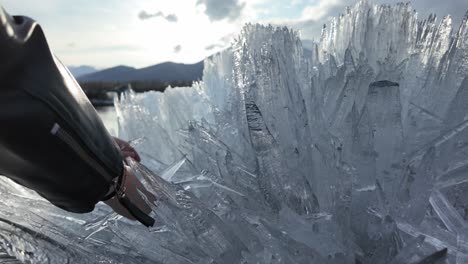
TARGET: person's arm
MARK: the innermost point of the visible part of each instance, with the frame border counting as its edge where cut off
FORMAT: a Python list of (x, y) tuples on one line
[(53, 141)]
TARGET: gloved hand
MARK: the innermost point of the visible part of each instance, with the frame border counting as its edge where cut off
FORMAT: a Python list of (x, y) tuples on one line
[(133, 186), (126, 149)]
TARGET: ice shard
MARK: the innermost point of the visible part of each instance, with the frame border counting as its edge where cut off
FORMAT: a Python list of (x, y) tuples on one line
[(356, 154)]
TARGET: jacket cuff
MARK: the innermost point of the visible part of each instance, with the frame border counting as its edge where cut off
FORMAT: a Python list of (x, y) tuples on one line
[(117, 185)]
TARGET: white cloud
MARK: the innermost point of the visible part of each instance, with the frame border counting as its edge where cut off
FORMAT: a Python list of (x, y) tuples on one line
[(296, 2), (143, 15), (320, 10), (310, 20), (213, 47), (222, 43), (177, 48), (222, 9)]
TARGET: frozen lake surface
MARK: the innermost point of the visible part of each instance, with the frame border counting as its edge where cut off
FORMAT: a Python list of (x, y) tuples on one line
[(109, 117)]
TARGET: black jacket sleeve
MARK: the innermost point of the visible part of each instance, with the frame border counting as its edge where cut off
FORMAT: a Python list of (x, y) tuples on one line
[(51, 138)]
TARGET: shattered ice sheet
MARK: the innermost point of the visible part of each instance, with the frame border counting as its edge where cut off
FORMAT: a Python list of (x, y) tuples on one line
[(357, 154)]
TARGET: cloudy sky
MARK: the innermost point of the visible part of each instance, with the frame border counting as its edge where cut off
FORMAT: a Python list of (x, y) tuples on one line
[(139, 33)]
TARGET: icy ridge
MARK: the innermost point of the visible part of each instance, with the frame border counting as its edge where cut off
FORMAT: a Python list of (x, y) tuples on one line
[(363, 131)]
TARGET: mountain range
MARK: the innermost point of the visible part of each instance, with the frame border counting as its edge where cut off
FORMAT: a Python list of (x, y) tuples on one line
[(78, 71), (163, 72)]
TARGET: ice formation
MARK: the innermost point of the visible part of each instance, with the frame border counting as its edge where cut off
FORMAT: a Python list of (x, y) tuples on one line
[(357, 154)]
